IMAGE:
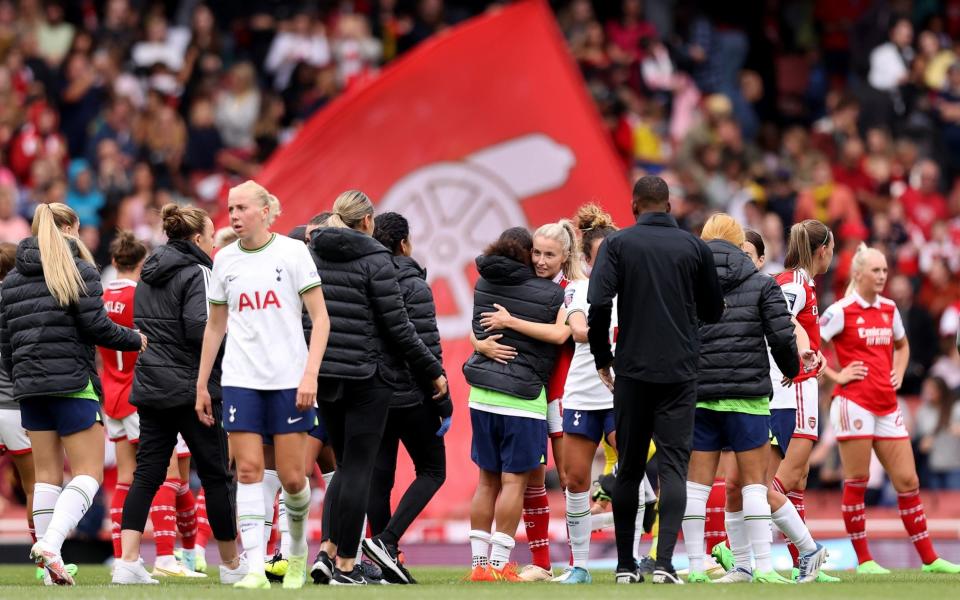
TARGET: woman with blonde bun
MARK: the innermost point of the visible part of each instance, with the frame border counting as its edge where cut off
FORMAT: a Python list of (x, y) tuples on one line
[(258, 287)]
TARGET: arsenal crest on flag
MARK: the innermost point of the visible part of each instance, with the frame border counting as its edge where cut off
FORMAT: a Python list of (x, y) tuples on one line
[(483, 127)]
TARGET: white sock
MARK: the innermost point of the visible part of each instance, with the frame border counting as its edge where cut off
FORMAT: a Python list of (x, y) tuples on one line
[(600, 521), (479, 547), (250, 511), (363, 534), (283, 524), (694, 520), (501, 546), (73, 503), (788, 521), (298, 508), (648, 494), (756, 516), (739, 541), (44, 499), (578, 527), (638, 527), (271, 487)]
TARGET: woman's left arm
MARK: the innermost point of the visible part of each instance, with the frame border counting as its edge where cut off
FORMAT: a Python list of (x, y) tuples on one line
[(557, 332), (901, 357)]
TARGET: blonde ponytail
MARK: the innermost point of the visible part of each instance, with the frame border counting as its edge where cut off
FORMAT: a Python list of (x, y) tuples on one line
[(349, 210), (60, 272), (565, 233)]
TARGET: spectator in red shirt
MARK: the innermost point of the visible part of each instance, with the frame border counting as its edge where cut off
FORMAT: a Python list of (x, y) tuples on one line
[(850, 171), (626, 33), (925, 204)]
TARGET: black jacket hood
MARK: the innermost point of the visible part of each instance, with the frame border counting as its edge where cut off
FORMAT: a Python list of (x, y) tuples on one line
[(171, 258), (502, 270), (733, 265), (407, 266), (341, 244)]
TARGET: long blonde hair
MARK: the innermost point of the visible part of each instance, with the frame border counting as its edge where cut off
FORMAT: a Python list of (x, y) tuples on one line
[(724, 227), (856, 265), (565, 233), (56, 256), (261, 195), (349, 209)]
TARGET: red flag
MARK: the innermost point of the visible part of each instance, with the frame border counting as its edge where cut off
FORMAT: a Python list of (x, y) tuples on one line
[(485, 126)]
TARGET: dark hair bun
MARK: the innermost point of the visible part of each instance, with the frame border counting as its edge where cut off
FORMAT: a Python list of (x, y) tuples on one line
[(180, 223), (127, 251)]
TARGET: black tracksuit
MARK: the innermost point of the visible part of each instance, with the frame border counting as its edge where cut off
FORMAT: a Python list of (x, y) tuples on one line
[(368, 322), (413, 419), (170, 308), (666, 284)]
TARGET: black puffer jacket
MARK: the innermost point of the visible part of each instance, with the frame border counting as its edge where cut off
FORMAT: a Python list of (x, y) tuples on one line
[(48, 349), (170, 308), (367, 317), (418, 300), (733, 352), (514, 286)]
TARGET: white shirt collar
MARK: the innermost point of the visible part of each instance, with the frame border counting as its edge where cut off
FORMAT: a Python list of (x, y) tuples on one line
[(121, 283), (864, 304)]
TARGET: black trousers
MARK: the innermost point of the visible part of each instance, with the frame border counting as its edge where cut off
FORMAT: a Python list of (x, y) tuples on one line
[(415, 427), (208, 445), (355, 420), (665, 412)]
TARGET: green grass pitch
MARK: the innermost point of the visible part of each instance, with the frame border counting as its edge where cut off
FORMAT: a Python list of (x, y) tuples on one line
[(17, 582)]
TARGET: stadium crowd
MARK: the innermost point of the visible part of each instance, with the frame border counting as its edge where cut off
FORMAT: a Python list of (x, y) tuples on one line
[(773, 112)]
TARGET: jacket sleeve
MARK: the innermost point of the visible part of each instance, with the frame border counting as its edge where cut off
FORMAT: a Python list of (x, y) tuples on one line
[(195, 309), (387, 304), (6, 349), (94, 325), (710, 303), (778, 328), (604, 283), (420, 297)]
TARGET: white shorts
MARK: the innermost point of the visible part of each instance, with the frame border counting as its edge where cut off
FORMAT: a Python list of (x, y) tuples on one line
[(853, 422), (183, 450), (805, 398), (13, 437), (127, 428)]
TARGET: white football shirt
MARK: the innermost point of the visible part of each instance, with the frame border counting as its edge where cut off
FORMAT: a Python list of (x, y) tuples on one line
[(584, 390), (262, 288)]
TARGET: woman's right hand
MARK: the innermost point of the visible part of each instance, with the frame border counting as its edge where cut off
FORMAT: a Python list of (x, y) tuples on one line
[(855, 371), (204, 406), (495, 351), (440, 387), (143, 342)]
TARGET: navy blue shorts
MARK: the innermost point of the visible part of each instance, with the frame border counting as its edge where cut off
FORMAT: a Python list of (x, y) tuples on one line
[(507, 444), (267, 412), (56, 413), (715, 430), (783, 422), (319, 430), (591, 424)]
